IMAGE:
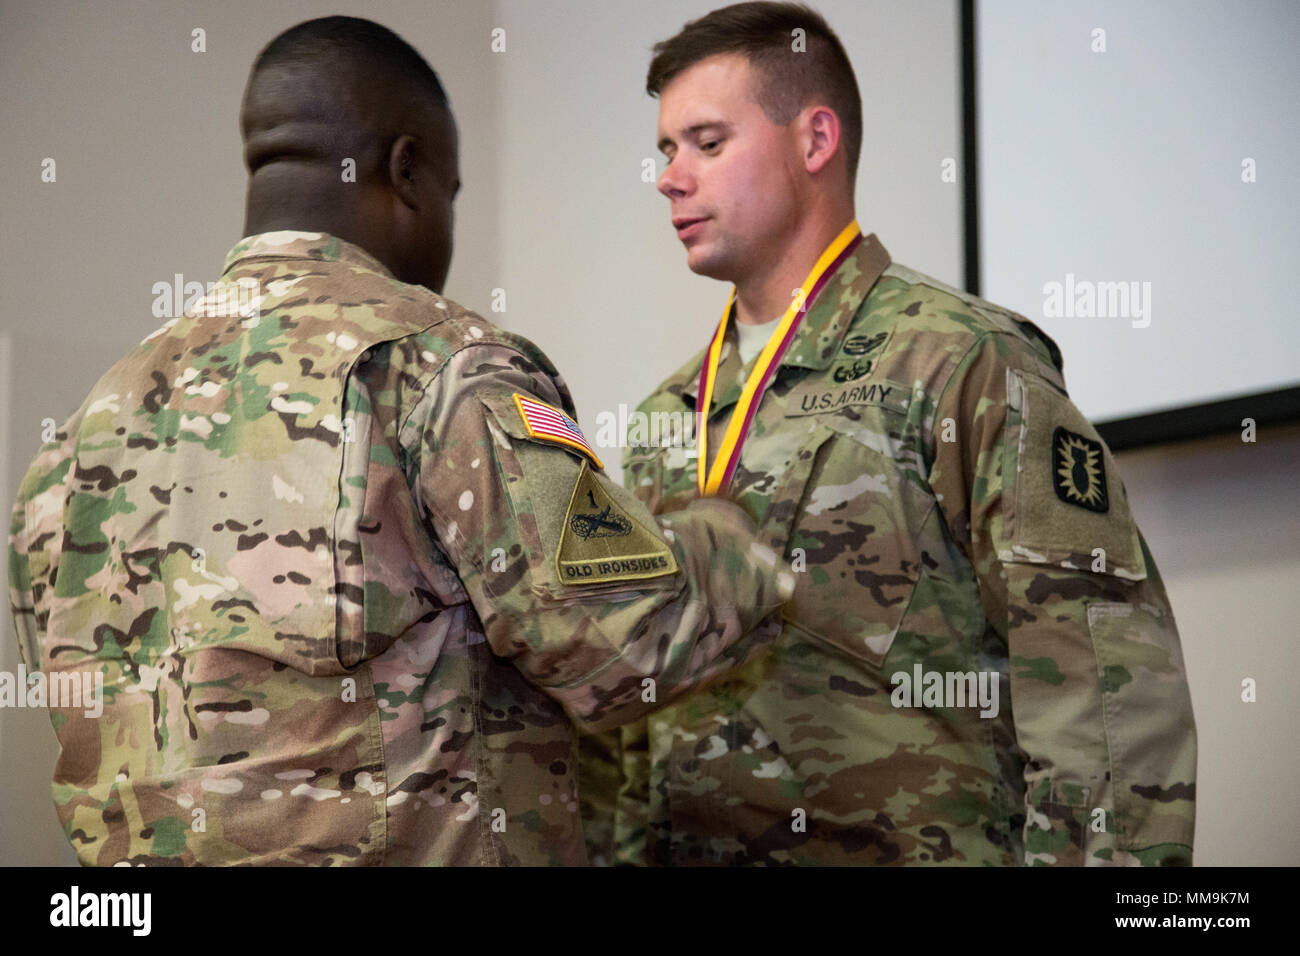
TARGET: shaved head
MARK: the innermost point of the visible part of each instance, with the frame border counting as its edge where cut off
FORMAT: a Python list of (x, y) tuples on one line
[(341, 94)]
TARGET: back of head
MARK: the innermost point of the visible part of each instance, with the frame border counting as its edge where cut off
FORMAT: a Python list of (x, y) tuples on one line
[(325, 103), (792, 48), (332, 83)]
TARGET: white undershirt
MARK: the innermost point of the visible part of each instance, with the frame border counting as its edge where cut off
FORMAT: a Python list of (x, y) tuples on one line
[(750, 339)]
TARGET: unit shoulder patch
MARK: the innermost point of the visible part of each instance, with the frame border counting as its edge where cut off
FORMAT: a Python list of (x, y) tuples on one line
[(1063, 503), (601, 542), (548, 423), (1079, 471)]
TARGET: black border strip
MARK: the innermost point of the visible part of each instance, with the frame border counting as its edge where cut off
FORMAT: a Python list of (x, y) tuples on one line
[(1198, 421), (1176, 424), (970, 150)]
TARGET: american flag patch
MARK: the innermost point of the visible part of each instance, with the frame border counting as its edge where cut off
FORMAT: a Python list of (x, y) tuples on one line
[(550, 424)]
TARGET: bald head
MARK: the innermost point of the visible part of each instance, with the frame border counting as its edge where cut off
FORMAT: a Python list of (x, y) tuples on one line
[(337, 89)]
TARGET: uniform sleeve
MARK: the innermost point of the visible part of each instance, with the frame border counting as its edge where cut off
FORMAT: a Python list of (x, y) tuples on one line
[(601, 607), (22, 601), (35, 535), (614, 767), (1098, 688), (614, 794)]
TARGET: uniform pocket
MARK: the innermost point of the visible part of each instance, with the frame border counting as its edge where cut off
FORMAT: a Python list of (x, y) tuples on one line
[(855, 559), (1056, 818), (1144, 697)]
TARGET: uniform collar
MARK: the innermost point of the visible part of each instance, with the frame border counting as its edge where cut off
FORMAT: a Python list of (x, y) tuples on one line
[(289, 244), (822, 331)]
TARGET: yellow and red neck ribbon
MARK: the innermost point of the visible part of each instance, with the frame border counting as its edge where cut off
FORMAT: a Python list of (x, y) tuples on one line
[(715, 479)]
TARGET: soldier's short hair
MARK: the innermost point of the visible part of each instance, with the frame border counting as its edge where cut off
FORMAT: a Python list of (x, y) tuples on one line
[(354, 41), (792, 77)]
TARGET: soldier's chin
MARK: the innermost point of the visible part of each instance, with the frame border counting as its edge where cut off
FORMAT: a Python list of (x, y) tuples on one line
[(701, 262)]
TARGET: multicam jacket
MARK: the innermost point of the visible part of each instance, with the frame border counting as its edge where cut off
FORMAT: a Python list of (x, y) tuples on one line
[(344, 594), (980, 664)]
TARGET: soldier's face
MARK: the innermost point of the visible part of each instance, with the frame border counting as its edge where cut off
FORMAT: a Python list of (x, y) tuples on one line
[(732, 175)]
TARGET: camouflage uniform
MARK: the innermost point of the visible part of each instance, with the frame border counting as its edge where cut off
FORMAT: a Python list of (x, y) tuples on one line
[(946, 499), (320, 560)]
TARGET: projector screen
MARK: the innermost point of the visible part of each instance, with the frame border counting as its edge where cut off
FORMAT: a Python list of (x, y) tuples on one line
[(1138, 197)]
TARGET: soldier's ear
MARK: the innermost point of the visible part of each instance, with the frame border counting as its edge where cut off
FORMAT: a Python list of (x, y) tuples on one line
[(819, 132), (404, 169)]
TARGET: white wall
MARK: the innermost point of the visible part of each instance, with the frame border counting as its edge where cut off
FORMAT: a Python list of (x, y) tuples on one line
[(1124, 164)]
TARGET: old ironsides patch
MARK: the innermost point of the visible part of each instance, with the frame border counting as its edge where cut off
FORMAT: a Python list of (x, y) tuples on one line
[(602, 542)]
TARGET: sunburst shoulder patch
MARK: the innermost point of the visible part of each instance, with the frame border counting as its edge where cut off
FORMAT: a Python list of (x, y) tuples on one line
[(1079, 471)]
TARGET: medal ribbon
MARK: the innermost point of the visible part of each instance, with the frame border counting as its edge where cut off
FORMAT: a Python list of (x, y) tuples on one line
[(712, 480)]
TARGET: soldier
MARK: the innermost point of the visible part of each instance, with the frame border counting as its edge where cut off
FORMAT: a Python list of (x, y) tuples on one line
[(342, 563), (980, 663)]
